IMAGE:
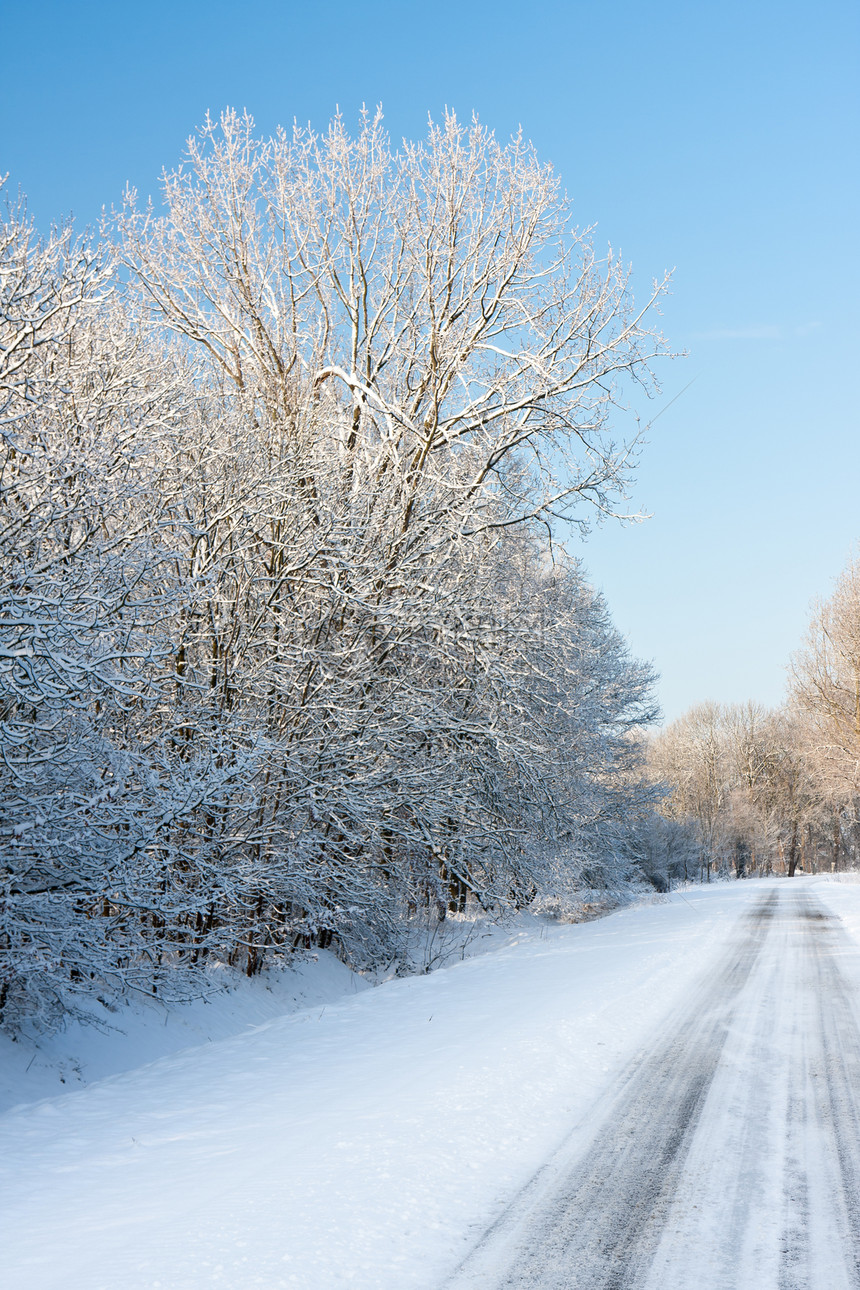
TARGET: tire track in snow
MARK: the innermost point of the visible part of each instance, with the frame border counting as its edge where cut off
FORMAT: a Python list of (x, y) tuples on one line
[(796, 1215), (595, 1225), (834, 1082)]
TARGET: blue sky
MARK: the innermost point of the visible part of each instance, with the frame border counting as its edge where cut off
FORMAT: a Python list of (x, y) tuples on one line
[(720, 139)]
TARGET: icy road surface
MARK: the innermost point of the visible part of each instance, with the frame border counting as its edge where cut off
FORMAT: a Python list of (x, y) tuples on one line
[(729, 1153), (665, 1098)]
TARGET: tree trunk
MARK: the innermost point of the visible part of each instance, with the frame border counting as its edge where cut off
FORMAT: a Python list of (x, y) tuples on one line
[(792, 850)]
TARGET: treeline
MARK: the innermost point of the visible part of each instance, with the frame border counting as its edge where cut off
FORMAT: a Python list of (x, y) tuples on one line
[(288, 654), (760, 791)]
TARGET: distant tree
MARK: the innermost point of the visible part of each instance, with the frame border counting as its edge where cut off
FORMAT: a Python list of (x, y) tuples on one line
[(691, 757), (743, 774), (826, 688), (666, 849)]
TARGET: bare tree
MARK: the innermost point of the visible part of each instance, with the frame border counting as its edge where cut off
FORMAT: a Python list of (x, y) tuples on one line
[(826, 687), (742, 773), (691, 757)]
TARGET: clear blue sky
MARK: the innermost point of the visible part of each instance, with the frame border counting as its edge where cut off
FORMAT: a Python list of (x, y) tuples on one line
[(719, 138)]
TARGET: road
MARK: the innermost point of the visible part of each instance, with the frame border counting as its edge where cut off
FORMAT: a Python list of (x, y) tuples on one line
[(727, 1156)]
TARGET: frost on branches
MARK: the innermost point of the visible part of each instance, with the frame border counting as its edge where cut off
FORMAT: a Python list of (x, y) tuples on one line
[(288, 655)]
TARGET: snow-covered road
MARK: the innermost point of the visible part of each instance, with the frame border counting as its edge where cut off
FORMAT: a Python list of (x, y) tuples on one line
[(728, 1155), (665, 1098)]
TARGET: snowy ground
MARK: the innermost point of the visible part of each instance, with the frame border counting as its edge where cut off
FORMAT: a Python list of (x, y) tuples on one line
[(142, 1030), (376, 1141)]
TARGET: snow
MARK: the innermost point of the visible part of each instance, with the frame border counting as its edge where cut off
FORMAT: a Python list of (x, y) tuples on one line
[(142, 1031), (365, 1142)]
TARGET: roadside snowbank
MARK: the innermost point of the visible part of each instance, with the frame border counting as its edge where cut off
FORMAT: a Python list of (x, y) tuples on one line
[(142, 1030), (840, 893)]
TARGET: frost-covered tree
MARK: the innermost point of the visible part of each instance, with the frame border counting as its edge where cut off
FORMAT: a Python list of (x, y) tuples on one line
[(72, 639), (93, 796), (460, 333), (289, 649), (420, 351)]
